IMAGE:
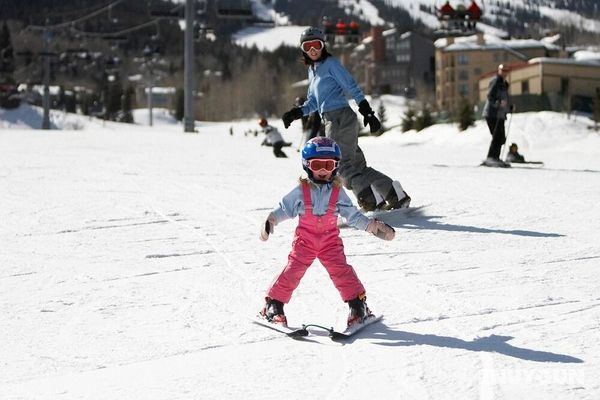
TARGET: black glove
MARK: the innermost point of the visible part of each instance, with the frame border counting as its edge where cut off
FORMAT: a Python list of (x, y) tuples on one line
[(365, 109), (292, 115)]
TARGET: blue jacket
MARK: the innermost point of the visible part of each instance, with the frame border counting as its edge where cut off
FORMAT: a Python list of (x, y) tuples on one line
[(292, 204), (329, 82)]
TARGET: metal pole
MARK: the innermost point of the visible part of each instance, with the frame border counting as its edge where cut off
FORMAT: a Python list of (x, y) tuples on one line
[(46, 98), (150, 85), (505, 145), (188, 109)]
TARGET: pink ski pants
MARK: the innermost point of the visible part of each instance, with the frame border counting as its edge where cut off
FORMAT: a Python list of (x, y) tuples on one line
[(317, 237)]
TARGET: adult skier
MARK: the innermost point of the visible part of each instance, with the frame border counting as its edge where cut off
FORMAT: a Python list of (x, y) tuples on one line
[(329, 81), (495, 110)]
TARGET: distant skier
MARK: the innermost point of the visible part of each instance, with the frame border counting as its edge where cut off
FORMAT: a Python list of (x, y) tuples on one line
[(513, 155), (495, 110), (273, 138), (329, 82), (317, 201)]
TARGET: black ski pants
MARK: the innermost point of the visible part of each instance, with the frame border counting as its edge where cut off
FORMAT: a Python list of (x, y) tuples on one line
[(496, 127), (277, 150)]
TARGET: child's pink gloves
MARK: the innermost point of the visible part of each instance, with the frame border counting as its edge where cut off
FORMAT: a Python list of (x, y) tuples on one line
[(381, 230)]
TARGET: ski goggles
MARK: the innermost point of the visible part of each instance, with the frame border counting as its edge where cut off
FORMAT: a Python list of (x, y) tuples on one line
[(312, 44), (317, 164)]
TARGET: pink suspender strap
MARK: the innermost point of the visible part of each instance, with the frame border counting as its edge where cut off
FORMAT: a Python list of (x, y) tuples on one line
[(307, 202), (333, 199)]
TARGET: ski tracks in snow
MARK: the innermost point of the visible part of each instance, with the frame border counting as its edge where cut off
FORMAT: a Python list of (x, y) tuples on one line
[(231, 272)]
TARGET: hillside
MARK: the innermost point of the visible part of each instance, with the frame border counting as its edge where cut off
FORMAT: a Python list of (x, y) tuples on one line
[(103, 56)]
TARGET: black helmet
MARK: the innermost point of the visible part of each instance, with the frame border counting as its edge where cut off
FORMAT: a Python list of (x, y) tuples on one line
[(312, 33)]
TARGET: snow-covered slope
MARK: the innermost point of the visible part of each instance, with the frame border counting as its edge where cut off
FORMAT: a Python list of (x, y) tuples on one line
[(130, 264), (266, 38)]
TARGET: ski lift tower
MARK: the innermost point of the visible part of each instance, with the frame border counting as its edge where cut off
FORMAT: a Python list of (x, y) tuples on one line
[(223, 9)]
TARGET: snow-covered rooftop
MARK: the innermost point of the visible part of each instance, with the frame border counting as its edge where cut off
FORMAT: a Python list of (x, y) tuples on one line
[(491, 42), (565, 61)]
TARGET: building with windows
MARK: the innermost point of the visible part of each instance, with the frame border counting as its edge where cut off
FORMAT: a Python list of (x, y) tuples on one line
[(460, 63), (557, 84), (390, 61)]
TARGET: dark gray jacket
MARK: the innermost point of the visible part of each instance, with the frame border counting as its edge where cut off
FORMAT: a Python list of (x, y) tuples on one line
[(497, 91)]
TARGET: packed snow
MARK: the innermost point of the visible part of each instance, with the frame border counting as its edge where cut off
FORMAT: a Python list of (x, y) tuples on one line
[(131, 266)]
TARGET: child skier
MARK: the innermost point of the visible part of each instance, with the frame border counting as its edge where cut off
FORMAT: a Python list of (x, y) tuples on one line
[(317, 201), (273, 138), (513, 155)]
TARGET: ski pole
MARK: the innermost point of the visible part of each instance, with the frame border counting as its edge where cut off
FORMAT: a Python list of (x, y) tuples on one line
[(504, 146)]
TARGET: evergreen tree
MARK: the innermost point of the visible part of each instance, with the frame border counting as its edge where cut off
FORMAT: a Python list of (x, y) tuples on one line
[(7, 58), (382, 116), (179, 111), (466, 115), (596, 108), (112, 98), (408, 120), (127, 105), (424, 119), (85, 102), (70, 104), (4, 36)]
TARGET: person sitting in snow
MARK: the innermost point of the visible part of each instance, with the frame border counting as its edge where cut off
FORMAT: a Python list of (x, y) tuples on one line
[(513, 155), (273, 138), (318, 200)]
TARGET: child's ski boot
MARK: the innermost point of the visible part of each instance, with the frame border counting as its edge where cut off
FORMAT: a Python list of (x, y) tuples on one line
[(273, 312), (358, 310)]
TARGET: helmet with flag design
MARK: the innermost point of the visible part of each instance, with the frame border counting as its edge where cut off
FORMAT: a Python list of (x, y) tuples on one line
[(322, 148)]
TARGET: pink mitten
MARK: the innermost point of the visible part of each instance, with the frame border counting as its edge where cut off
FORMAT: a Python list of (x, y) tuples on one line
[(267, 227), (381, 230)]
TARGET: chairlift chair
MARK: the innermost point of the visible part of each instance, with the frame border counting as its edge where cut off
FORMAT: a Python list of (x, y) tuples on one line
[(234, 9), (176, 12), (459, 19)]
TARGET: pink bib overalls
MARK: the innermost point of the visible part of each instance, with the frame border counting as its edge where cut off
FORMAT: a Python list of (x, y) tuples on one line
[(317, 237)]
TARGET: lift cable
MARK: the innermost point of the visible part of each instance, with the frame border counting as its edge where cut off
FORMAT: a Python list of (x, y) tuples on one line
[(75, 21)]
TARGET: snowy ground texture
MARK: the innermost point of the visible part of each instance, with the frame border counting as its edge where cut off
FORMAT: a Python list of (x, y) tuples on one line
[(130, 266)]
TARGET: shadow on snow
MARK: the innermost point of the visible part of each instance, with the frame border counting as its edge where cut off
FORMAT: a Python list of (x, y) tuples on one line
[(491, 344), (418, 220)]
